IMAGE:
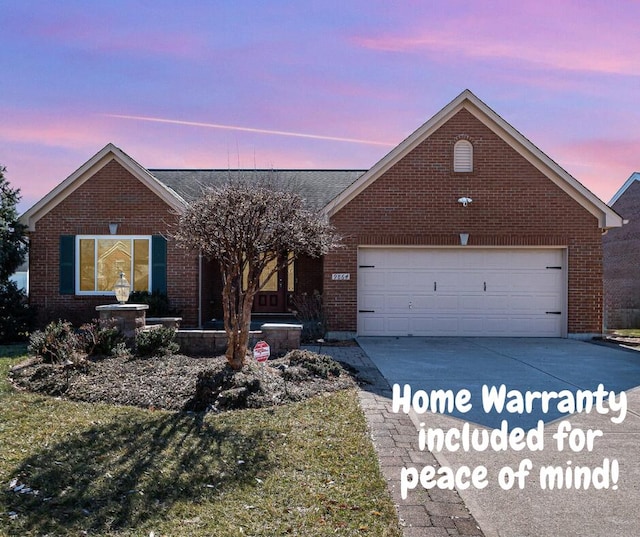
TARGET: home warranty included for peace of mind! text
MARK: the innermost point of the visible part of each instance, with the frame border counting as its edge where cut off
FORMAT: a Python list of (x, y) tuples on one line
[(512, 401)]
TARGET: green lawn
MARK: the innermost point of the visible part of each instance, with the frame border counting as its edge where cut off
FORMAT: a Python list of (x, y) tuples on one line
[(630, 332), (302, 470)]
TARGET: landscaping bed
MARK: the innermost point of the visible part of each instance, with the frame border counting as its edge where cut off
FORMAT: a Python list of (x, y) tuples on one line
[(177, 382), (306, 468)]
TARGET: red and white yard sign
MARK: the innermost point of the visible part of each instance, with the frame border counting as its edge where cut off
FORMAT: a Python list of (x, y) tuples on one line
[(261, 351)]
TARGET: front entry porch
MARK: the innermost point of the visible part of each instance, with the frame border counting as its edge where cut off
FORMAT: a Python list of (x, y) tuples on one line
[(273, 304)]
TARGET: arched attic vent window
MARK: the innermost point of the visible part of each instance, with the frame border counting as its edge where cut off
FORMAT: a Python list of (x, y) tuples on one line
[(463, 156)]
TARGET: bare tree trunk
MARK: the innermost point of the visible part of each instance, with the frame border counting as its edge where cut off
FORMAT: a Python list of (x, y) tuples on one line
[(237, 321), (235, 355), (236, 350)]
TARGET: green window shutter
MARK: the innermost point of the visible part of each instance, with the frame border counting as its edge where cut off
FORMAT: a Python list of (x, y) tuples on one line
[(159, 264), (67, 264)]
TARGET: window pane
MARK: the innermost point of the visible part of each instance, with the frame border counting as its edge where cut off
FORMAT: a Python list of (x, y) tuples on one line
[(270, 285), (87, 265), (114, 256), (140, 265), (291, 282)]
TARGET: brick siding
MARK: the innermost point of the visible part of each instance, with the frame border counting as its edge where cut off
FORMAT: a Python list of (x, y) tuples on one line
[(622, 263), (111, 195), (514, 204)]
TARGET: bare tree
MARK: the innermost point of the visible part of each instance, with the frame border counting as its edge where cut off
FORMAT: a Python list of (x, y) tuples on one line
[(252, 232)]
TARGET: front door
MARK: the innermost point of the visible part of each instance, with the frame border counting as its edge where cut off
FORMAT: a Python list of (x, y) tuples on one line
[(272, 298)]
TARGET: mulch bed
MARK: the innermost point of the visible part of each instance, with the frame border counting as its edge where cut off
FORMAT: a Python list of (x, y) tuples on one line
[(184, 383)]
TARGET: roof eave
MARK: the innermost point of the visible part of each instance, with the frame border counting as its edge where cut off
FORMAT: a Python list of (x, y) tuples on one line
[(606, 216), (86, 171), (635, 176)]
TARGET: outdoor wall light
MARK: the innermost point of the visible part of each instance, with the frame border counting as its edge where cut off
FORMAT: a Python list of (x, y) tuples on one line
[(465, 201), (122, 289), (113, 228), (464, 239)]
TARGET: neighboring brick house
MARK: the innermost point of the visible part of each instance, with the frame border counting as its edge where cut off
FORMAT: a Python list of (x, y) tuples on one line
[(622, 259), (465, 228)]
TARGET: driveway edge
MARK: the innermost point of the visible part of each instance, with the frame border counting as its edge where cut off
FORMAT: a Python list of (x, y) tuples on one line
[(433, 513)]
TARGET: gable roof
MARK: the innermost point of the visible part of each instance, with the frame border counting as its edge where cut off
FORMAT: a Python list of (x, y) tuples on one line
[(108, 153), (634, 177), (316, 187), (329, 190), (606, 216)]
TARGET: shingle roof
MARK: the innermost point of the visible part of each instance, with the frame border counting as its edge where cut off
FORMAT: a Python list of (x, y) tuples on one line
[(317, 187)]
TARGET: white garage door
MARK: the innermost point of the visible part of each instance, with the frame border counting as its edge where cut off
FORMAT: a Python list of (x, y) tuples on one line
[(461, 292)]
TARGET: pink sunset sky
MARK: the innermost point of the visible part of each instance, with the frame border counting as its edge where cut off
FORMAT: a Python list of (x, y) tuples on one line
[(310, 84)]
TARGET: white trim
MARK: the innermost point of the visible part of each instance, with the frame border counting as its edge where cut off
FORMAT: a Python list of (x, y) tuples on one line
[(130, 238), (606, 216), (89, 169), (459, 247), (634, 177), (463, 157)]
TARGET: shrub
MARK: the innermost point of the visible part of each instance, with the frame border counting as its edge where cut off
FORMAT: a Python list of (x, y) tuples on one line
[(319, 365), (56, 344), (121, 350), (16, 316), (158, 303), (155, 341), (100, 337), (310, 312)]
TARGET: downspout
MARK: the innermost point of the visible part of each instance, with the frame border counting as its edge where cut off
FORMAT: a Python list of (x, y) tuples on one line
[(200, 289)]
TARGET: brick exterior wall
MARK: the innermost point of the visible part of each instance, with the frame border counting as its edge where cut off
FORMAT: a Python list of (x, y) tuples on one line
[(111, 195), (622, 264), (514, 204)]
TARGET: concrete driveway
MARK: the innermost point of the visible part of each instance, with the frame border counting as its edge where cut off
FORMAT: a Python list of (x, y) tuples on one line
[(551, 365), (522, 364)]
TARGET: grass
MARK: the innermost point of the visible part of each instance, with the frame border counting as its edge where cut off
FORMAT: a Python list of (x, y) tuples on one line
[(306, 469), (631, 332)]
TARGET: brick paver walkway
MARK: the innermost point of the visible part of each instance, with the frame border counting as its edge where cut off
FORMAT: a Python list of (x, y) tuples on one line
[(433, 513)]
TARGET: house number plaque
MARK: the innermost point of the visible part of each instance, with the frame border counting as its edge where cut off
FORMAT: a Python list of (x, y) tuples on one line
[(341, 276)]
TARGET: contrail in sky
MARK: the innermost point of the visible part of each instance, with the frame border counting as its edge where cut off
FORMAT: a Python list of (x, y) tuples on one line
[(249, 129)]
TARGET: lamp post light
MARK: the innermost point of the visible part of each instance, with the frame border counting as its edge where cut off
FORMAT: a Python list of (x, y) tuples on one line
[(122, 289), (127, 318)]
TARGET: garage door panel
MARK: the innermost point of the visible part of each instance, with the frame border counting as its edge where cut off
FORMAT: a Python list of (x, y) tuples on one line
[(398, 324), (445, 302), (397, 303), (371, 280), (457, 280), (473, 302), (541, 280), (432, 259), (493, 302), (373, 302), (541, 303), (497, 292), (472, 325), (521, 326), (398, 279), (371, 325), (422, 303), (447, 326)]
